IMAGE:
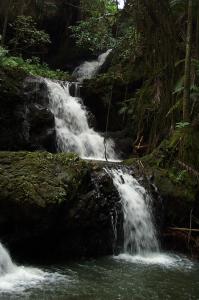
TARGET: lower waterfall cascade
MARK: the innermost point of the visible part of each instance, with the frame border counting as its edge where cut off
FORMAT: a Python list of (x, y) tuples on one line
[(71, 122), (140, 235)]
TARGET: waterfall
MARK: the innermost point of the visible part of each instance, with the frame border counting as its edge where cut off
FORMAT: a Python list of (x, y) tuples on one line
[(71, 117), (139, 231), (140, 237), (71, 122), (6, 264), (90, 68)]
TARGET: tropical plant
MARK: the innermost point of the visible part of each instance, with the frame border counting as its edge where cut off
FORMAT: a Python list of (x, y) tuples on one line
[(31, 66), (95, 30), (26, 36)]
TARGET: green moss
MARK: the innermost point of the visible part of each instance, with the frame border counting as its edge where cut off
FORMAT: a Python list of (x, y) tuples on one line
[(11, 81), (174, 166), (40, 177)]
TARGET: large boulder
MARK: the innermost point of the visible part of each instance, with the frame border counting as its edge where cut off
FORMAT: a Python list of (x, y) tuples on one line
[(56, 206)]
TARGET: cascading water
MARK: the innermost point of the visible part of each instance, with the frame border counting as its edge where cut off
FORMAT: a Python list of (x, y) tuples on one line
[(139, 231), (71, 122), (71, 117), (90, 68), (16, 279), (140, 237)]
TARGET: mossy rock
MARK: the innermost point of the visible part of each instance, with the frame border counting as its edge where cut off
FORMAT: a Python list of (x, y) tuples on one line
[(55, 205), (39, 178)]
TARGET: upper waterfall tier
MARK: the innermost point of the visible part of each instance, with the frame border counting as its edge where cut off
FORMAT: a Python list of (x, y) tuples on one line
[(72, 128)]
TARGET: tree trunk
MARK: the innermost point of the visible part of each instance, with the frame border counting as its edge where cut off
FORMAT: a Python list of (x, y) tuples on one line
[(187, 80), (5, 23)]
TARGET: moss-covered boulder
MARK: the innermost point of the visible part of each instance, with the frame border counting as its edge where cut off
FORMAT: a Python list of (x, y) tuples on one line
[(55, 205)]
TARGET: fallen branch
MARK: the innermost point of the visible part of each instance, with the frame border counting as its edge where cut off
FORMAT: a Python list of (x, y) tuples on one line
[(141, 147), (183, 229)]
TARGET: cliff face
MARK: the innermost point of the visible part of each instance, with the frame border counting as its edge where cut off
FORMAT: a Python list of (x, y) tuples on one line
[(25, 121)]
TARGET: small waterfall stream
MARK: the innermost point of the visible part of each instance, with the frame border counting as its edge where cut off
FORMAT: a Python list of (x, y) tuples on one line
[(88, 69), (140, 237), (139, 231)]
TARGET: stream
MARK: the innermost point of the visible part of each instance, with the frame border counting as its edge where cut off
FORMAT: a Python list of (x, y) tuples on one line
[(165, 277)]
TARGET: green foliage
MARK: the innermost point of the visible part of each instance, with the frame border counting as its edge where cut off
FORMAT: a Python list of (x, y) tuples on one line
[(177, 176), (30, 66), (27, 36), (3, 54), (93, 34), (181, 176), (182, 124), (128, 43), (127, 108), (97, 8), (94, 31)]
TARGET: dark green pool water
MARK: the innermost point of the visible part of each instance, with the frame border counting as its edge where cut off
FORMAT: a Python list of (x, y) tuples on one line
[(126, 277)]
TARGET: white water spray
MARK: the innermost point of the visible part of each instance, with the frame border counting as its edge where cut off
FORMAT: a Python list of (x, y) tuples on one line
[(90, 68), (16, 279), (71, 122), (13, 277), (6, 264)]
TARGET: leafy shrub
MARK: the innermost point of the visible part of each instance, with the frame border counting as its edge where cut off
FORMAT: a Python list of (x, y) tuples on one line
[(27, 36), (3, 54), (31, 66), (182, 124)]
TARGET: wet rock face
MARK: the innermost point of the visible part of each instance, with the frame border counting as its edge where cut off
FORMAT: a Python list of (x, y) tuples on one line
[(123, 143), (25, 120), (89, 223), (40, 120), (12, 112), (56, 206)]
